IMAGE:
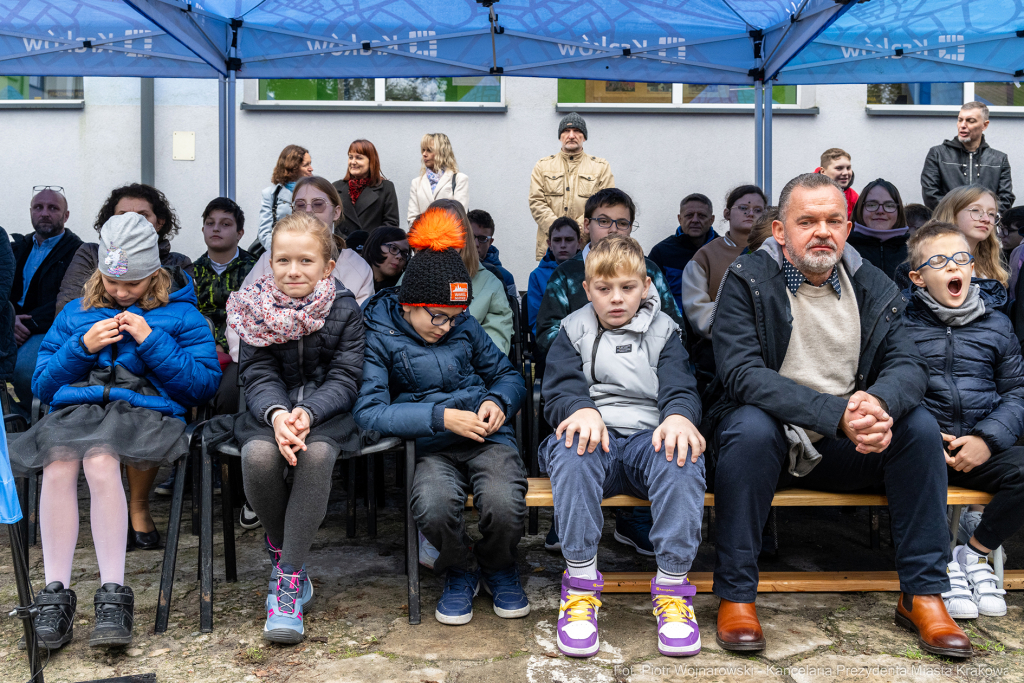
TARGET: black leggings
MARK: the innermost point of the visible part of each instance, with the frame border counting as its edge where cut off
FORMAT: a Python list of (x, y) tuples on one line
[(1002, 476)]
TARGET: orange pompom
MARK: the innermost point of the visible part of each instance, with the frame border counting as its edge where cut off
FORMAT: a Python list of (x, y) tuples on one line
[(437, 230)]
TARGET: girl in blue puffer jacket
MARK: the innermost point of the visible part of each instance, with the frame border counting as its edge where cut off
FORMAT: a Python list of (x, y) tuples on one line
[(118, 368), (976, 393)]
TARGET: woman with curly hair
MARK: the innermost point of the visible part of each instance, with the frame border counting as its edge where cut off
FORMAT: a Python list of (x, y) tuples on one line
[(151, 204)]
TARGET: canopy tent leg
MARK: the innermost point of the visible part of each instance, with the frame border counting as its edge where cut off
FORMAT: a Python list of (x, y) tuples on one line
[(222, 120), (26, 609), (768, 102), (231, 167), (758, 134), (148, 156)]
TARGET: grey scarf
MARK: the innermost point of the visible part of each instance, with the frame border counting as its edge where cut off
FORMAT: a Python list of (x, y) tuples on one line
[(972, 308)]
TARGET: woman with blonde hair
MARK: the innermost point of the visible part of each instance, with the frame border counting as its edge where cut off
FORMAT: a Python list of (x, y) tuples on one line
[(439, 176), (975, 211), (293, 163)]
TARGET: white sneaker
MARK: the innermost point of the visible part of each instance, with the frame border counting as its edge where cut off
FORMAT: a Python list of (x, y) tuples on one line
[(428, 553), (983, 583), (958, 599)]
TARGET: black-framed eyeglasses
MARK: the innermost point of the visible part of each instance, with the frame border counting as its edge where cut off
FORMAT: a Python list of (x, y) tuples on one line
[(621, 225), (978, 214), (440, 319), (393, 249), (316, 206), (53, 188), (888, 207), (939, 261)]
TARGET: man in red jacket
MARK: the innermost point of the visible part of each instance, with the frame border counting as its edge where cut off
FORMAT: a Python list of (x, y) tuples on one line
[(836, 164)]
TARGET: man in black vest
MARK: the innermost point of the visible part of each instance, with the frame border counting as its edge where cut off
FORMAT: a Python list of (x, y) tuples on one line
[(40, 261)]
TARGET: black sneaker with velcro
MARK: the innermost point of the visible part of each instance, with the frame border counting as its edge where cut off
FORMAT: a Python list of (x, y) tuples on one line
[(54, 623), (115, 616)]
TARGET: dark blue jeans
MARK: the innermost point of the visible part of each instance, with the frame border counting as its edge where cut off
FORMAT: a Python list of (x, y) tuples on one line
[(494, 474), (753, 463), (579, 482)]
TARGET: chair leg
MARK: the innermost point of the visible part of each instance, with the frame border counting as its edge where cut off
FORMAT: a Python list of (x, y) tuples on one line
[(195, 459), (163, 605), (954, 525), (412, 545), (206, 542), (350, 503), (34, 480), (874, 534), (371, 496), (380, 479), (228, 521), (997, 564)]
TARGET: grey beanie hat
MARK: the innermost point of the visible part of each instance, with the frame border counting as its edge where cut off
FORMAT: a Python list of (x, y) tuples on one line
[(573, 120), (128, 248)]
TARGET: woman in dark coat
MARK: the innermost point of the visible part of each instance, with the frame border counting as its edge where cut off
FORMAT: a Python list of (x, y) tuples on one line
[(880, 230), (368, 198)]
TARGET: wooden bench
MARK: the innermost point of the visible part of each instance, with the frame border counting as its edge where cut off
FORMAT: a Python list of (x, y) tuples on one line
[(539, 495)]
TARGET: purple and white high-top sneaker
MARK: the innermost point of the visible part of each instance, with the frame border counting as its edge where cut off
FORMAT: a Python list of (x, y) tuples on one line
[(577, 616), (678, 635)]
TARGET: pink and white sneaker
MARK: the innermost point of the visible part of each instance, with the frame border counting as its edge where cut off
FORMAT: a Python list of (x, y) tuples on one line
[(678, 635), (577, 616)]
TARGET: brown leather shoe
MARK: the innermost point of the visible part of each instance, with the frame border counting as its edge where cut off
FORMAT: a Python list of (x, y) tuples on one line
[(738, 627), (936, 631)]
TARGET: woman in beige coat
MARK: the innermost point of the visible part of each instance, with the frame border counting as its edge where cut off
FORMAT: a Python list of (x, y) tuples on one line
[(439, 176)]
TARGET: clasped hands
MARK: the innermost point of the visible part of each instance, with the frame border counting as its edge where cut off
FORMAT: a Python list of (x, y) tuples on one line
[(290, 432), (110, 331), (476, 426), (677, 434), (866, 423)]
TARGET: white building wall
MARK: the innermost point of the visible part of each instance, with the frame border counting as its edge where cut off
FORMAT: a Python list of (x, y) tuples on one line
[(657, 158)]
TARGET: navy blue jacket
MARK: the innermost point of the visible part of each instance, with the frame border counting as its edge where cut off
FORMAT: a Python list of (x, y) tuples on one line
[(175, 367), (751, 334), (8, 347), (672, 254), (538, 283), (407, 383), (975, 372), (493, 263)]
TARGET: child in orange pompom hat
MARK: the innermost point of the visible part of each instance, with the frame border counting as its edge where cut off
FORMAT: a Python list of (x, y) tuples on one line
[(432, 373)]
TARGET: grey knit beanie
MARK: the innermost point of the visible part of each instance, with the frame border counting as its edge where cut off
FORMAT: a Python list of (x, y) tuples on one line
[(128, 248), (573, 120)]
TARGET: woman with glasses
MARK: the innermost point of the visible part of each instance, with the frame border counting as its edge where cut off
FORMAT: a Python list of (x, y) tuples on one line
[(293, 163), (387, 252), (439, 176), (368, 198), (703, 274), (975, 211), (880, 230)]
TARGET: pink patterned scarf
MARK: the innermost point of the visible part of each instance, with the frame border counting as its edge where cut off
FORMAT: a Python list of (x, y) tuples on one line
[(262, 314)]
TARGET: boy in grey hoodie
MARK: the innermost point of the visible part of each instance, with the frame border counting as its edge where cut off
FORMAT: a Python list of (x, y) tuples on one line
[(618, 388)]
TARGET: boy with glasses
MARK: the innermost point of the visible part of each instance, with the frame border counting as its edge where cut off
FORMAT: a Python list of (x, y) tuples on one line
[(976, 393), (432, 373), (483, 232)]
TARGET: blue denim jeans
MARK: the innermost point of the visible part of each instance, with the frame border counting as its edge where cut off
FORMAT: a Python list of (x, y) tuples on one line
[(494, 474), (24, 367), (753, 462), (580, 482)]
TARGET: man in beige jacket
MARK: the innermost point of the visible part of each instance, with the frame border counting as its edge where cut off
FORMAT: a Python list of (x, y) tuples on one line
[(561, 183)]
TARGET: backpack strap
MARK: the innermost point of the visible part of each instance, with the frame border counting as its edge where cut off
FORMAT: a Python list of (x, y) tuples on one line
[(273, 205)]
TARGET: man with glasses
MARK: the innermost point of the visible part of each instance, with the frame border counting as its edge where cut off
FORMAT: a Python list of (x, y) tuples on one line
[(967, 160), (41, 259), (483, 232), (561, 183), (608, 212)]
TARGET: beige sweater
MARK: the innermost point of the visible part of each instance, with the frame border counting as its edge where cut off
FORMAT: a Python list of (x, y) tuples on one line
[(825, 345)]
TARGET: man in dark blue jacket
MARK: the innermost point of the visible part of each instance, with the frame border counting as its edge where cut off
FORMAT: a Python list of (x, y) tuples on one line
[(41, 259), (823, 386), (433, 374), (696, 216)]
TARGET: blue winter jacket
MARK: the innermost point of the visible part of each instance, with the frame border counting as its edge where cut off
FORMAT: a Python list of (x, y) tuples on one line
[(538, 283), (175, 367), (407, 383), (975, 372)]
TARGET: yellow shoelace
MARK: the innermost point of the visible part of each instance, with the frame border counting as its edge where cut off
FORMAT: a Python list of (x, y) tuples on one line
[(579, 606), (673, 609)]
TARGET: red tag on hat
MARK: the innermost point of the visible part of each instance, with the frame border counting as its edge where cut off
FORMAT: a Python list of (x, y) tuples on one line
[(460, 291)]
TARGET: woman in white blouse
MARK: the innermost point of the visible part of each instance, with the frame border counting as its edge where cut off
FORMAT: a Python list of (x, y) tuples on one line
[(439, 176)]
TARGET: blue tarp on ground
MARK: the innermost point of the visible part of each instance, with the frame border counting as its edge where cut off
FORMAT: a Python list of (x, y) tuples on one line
[(692, 41), (916, 41)]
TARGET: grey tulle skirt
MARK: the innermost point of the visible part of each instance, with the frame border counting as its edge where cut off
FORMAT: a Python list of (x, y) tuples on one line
[(139, 437)]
